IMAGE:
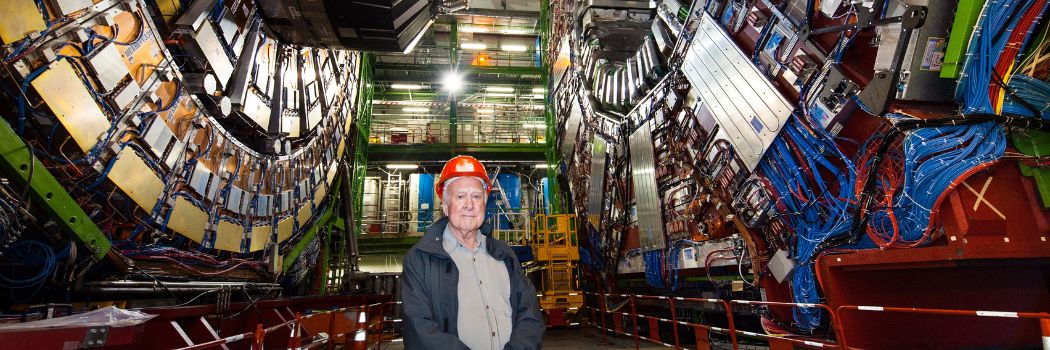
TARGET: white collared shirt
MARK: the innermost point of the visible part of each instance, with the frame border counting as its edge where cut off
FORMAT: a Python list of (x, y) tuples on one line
[(485, 316)]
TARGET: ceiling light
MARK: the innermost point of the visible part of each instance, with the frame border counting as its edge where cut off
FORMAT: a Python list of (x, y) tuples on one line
[(514, 48), (473, 29), (516, 31), (542, 166), (452, 82), (538, 90), (406, 86), (473, 46), (498, 94), (416, 110), (534, 126), (402, 166), (499, 89)]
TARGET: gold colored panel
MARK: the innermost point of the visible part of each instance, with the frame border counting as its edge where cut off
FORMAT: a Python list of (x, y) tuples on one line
[(188, 220), (229, 236), (20, 17), (342, 147), (132, 175), (260, 236), (319, 194), (304, 214), (72, 103), (333, 169), (284, 229)]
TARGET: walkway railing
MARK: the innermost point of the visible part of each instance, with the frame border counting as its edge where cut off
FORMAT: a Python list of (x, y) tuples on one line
[(604, 316)]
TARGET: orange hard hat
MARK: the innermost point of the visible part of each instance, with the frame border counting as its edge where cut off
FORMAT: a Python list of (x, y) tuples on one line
[(462, 166)]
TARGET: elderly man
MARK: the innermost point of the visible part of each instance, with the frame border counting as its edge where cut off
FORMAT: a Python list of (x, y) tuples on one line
[(461, 288)]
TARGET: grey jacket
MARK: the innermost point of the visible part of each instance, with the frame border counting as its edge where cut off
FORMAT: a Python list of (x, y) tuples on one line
[(430, 304)]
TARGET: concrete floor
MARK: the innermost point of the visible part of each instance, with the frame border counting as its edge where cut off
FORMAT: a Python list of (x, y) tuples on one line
[(570, 339)]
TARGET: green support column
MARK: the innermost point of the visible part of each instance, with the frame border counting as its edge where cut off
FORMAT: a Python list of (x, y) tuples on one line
[(453, 60), (22, 167), (553, 159)]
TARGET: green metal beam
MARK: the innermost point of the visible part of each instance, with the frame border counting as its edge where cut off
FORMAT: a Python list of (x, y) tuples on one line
[(17, 161), (374, 246), (533, 71), (323, 219), (440, 151), (453, 56), (551, 152)]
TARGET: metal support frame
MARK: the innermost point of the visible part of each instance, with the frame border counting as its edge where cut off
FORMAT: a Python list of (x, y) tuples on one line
[(17, 162), (453, 42)]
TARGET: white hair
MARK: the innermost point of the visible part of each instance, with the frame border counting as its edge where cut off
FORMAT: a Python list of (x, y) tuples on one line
[(444, 188)]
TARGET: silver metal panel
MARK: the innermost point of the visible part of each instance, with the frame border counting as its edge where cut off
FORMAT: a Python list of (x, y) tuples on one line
[(176, 152), (263, 205), (127, 95), (158, 137), (66, 7), (646, 197), (213, 188), (109, 67), (743, 102), (304, 189), (208, 42), (596, 191), (233, 203), (572, 126), (199, 180), (285, 200)]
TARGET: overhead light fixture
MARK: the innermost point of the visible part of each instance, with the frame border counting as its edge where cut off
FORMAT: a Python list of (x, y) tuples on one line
[(517, 31), (473, 29), (416, 110), (402, 166), (473, 46), (538, 90), (542, 166), (534, 126), (514, 48), (406, 86), (412, 45), (499, 89), (536, 96), (485, 111), (452, 82), (498, 94)]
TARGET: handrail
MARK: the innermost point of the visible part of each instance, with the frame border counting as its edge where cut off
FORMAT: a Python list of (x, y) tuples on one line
[(835, 317)]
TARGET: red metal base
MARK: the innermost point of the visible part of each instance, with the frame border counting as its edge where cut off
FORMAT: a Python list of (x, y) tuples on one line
[(198, 327)]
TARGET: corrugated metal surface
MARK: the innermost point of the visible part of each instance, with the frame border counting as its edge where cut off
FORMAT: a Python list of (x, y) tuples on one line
[(596, 191), (647, 201), (743, 102)]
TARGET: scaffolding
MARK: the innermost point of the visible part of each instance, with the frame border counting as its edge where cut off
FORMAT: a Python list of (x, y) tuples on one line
[(557, 250)]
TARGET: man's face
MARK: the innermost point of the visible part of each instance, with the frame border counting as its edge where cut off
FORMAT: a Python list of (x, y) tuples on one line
[(464, 203)]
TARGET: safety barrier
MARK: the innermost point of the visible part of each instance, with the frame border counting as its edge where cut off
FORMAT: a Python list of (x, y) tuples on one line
[(600, 311), (362, 328)]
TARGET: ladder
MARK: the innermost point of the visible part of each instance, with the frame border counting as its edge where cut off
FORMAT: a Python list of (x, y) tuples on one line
[(392, 213)]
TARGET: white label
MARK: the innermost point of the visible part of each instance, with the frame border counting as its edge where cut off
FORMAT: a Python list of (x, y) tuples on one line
[(870, 308), (996, 314), (813, 343)]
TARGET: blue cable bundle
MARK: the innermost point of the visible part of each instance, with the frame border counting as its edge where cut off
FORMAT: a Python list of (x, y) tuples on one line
[(935, 159), (813, 182), (654, 268), (998, 19), (1034, 91)]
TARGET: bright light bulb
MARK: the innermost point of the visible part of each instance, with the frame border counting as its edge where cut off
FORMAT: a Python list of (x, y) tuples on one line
[(473, 46), (499, 89), (406, 86), (453, 82), (514, 48)]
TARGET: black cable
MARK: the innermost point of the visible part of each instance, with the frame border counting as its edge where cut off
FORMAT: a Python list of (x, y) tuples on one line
[(1010, 92)]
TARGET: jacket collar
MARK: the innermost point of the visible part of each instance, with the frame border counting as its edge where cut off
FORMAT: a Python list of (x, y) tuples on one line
[(431, 241)]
